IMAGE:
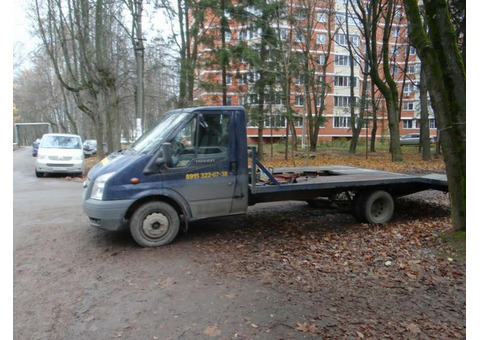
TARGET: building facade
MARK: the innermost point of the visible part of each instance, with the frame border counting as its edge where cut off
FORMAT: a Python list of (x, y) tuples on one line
[(305, 62)]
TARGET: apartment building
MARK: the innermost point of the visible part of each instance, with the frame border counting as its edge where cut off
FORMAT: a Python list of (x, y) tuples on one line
[(319, 51)]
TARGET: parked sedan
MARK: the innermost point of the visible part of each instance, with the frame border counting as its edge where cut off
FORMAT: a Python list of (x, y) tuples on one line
[(410, 139), (90, 147), (413, 139)]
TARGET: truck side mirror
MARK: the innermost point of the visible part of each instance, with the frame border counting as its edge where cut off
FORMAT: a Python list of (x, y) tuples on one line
[(166, 156)]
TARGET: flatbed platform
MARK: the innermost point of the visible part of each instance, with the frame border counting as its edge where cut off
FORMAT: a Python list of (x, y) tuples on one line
[(313, 182)]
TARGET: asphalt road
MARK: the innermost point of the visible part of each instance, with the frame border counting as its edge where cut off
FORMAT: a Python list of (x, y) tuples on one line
[(71, 281)]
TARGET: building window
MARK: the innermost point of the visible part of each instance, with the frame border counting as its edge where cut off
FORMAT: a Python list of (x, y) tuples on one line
[(343, 81), (394, 69), (228, 36), (322, 17), (298, 121), (341, 60), (228, 101), (321, 59), (299, 79), (409, 88), (413, 68), (321, 38), (395, 50), (228, 79), (243, 35), (300, 14), (341, 122), (276, 99), (341, 40), (242, 79), (408, 106), (396, 32), (318, 101), (299, 101), (341, 101), (299, 36), (254, 33), (253, 77), (409, 124), (275, 121), (282, 34), (242, 101), (432, 124)]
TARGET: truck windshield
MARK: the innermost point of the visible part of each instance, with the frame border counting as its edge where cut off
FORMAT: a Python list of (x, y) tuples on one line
[(157, 134)]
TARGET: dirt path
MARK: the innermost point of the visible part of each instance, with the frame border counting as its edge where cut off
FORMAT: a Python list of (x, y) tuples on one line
[(282, 271)]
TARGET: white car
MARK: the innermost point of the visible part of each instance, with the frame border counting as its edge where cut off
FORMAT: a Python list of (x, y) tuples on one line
[(60, 153)]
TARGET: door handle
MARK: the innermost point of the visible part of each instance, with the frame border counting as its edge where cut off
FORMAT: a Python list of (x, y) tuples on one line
[(233, 167)]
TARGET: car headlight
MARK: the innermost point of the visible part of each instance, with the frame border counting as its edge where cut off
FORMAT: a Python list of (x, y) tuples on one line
[(41, 156), (99, 185)]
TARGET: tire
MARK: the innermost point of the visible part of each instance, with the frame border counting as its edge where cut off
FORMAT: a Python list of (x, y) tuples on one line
[(378, 207), (38, 174), (154, 224)]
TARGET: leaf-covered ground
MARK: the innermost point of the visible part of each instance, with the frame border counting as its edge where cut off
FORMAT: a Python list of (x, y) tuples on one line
[(401, 280), (380, 160)]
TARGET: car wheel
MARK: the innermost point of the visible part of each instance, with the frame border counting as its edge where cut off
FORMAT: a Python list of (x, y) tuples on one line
[(154, 224), (39, 174)]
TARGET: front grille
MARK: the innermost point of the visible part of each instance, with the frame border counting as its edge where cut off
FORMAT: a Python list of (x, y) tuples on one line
[(60, 158), (59, 165)]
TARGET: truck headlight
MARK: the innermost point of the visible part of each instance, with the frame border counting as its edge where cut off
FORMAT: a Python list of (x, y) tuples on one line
[(99, 185)]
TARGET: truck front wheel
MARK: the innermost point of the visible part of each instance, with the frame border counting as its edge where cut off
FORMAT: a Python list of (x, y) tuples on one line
[(154, 224), (375, 206)]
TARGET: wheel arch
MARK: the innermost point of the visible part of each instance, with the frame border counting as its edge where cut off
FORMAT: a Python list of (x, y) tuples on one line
[(179, 204)]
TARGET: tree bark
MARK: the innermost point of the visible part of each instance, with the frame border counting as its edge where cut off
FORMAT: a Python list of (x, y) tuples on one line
[(446, 81)]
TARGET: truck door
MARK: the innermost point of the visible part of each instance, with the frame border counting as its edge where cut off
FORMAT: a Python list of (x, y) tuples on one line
[(203, 165)]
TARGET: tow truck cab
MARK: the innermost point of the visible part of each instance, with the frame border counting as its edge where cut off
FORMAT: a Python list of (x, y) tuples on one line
[(192, 163)]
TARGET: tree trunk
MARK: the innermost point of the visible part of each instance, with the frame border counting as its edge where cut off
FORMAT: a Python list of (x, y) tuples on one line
[(446, 81), (424, 125)]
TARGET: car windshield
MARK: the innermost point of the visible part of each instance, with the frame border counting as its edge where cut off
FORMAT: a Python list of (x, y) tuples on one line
[(158, 133), (90, 143), (61, 142)]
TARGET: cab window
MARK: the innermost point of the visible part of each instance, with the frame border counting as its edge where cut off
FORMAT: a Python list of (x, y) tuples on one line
[(203, 140)]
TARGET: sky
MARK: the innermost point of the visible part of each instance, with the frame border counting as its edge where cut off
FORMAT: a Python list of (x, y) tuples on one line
[(19, 25)]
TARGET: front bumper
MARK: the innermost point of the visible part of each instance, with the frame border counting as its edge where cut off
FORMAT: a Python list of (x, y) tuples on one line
[(60, 167), (107, 215)]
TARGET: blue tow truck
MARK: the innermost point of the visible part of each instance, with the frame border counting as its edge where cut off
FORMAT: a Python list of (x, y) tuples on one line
[(195, 164)]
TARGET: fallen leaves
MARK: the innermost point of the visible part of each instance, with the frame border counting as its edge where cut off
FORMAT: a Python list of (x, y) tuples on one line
[(380, 160), (364, 281), (379, 281), (212, 331), (307, 328)]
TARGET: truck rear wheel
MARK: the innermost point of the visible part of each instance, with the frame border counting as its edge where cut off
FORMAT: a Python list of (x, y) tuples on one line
[(376, 206), (154, 224)]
